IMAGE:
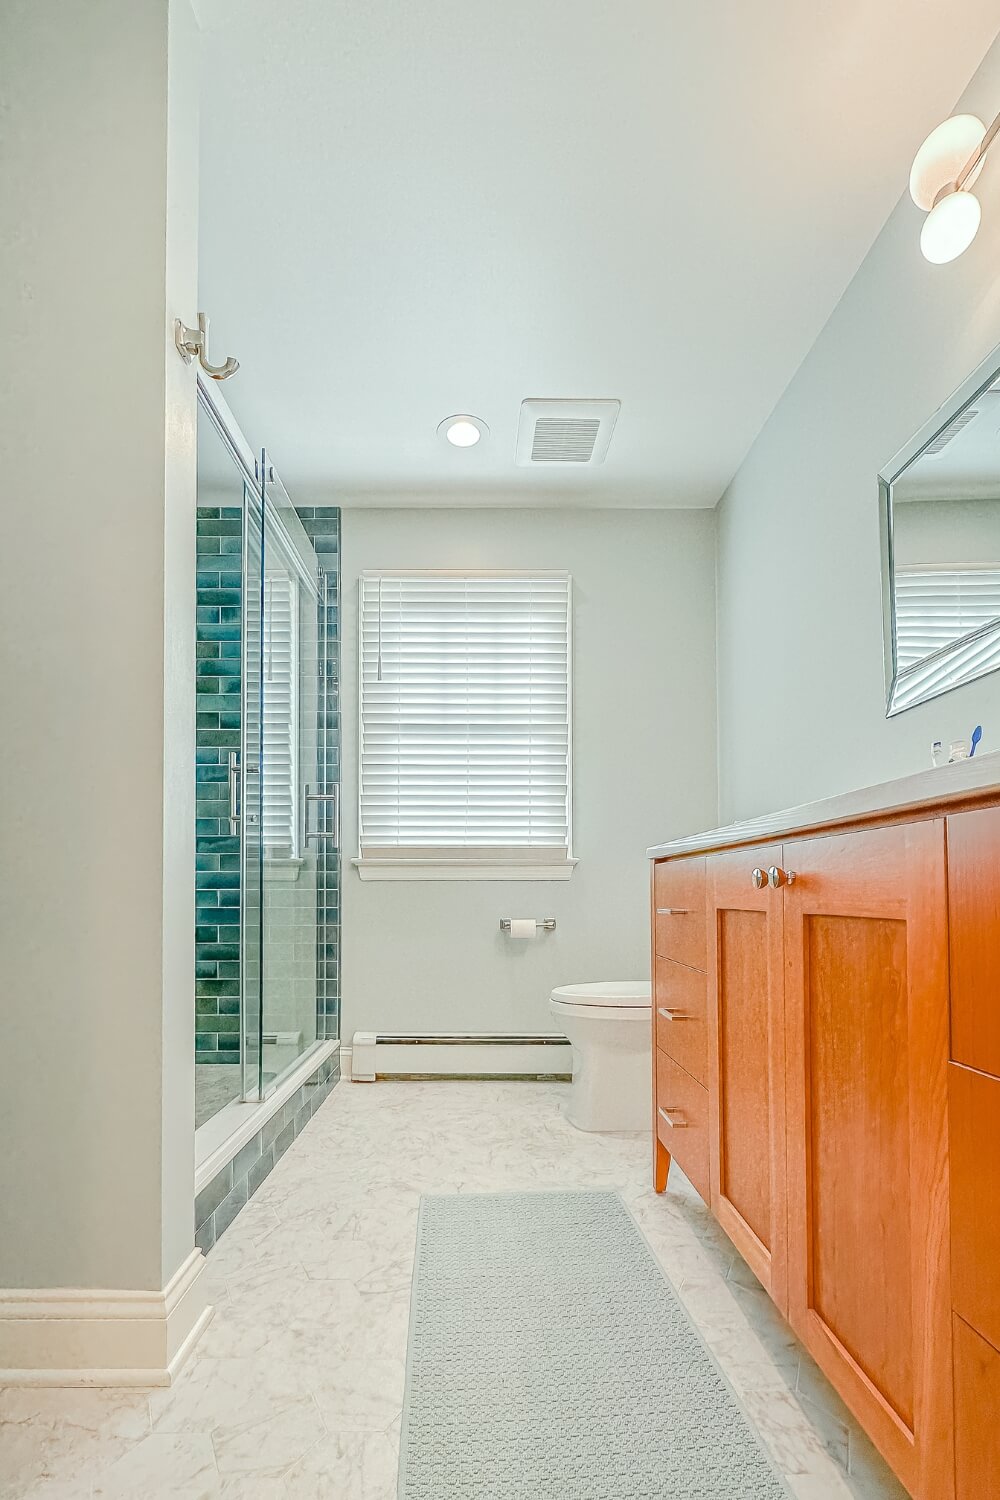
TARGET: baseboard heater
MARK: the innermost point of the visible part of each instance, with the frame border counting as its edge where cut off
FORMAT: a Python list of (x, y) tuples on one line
[(444, 1054)]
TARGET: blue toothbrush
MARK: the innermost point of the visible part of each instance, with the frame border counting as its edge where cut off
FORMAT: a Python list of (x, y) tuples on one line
[(977, 735)]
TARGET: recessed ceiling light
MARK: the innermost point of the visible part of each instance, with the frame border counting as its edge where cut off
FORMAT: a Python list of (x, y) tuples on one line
[(462, 431)]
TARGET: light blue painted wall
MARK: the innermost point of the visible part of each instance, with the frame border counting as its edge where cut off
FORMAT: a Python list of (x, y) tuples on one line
[(801, 690)]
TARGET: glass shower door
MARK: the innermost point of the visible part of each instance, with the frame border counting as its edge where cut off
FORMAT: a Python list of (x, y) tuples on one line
[(229, 541), (267, 753), (246, 793), (298, 807)]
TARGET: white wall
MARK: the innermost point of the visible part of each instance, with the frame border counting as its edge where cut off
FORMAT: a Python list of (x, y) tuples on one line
[(97, 423), (962, 533), (428, 955), (801, 691)]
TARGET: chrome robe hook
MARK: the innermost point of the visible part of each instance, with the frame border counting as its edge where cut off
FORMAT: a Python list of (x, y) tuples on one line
[(192, 342)]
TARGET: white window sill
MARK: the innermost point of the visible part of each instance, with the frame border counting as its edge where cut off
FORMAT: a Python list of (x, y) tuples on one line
[(451, 869)]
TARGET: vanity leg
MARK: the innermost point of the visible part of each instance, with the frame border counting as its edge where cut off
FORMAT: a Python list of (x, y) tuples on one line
[(661, 1166)]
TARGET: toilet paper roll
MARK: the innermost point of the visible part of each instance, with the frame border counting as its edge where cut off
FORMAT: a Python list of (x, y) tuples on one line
[(523, 927)]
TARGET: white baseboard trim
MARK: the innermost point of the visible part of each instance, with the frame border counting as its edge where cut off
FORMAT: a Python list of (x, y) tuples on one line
[(71, 1337), (443, 1055)]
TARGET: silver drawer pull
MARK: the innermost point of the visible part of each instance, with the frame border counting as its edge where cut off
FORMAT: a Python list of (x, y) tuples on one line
[(672, 1118), (671, 1013), (673, 911)]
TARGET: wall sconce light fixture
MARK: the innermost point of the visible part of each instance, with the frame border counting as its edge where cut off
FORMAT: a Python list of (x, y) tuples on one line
[(943, 172)]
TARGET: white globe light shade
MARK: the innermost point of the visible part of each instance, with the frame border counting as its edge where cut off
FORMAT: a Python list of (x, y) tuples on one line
[(950, 227), (942, 156)]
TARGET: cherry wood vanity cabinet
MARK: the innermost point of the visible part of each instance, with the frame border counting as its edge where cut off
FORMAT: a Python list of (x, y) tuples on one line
[(746, 1029), (843, 1118)]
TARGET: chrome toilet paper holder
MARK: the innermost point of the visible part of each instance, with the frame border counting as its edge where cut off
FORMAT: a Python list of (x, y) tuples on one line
[(547, 924)]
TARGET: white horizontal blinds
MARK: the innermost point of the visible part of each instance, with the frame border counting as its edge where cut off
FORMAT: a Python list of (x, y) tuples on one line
[(966, 660), (936, 606), (280, 714), (465, 713)]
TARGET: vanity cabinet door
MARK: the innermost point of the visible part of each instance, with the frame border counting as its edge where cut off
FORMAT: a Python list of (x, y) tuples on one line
[(866, 1003), (746, 1061), (974, 927), (977, 1401)]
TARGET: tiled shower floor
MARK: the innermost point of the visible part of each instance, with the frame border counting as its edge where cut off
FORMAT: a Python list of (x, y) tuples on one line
[(296, 1389)]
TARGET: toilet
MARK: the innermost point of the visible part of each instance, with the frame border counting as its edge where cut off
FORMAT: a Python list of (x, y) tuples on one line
[(609, 1027)]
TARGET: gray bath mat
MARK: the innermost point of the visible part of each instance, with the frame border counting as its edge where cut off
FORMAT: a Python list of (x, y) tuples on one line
[(549, 1359)]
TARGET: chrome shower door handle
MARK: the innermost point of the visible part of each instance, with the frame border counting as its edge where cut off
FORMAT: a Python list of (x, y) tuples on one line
[(326, 798), (234, 792)]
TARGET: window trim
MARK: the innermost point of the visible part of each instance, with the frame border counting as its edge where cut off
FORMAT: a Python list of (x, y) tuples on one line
[(451, 864)]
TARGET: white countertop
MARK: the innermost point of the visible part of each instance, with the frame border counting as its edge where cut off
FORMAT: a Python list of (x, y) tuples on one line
[(964, 781)]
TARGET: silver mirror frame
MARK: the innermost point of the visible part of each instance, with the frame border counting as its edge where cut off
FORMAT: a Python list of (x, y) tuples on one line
[(985, 375)]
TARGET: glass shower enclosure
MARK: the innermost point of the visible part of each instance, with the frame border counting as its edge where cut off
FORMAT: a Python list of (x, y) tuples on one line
[(268, 824)]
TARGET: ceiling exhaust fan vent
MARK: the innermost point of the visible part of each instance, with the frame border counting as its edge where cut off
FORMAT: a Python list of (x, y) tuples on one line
[(565, 432), (952, 430)]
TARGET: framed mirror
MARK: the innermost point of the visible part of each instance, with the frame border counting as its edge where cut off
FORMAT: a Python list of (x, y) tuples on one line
[(940, 502)]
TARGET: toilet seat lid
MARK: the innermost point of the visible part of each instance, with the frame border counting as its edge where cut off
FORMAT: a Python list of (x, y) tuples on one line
[(623, 994)]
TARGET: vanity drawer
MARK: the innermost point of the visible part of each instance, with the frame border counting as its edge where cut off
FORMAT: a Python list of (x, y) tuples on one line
[(680, 998), (682, 1120), (974, 1128), (679, 911)]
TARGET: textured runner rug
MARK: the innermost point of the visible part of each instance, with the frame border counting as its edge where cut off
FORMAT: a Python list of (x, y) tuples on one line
[(550, 1359)]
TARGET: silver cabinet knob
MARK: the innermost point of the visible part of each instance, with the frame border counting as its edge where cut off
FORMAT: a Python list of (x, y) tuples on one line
[(759, 879), (779, 877)]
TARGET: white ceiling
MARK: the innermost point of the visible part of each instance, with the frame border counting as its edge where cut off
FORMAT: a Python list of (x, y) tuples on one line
[(417, 207)]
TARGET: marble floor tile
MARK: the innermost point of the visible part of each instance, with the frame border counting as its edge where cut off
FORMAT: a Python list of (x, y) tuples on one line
[(360, 1395), (271, 1445), (218, 1394), (181, 1465), (295, 1390), (361, 1466)]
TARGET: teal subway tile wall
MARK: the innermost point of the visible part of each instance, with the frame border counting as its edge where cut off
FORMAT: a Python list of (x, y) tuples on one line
[(217, 732), (322, 526), (217, 857)]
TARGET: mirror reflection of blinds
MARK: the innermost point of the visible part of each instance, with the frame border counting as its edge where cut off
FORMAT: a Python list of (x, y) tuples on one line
[(936, 606), (465, 717), (279, 769)]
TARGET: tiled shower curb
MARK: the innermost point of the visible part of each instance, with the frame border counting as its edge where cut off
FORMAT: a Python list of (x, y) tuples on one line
[(220, 1200)]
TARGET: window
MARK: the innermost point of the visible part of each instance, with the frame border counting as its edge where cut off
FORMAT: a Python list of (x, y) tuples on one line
[(936, 606), (465, 726), (279, 761)]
